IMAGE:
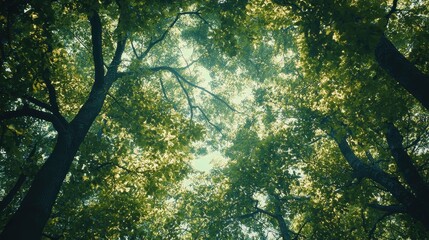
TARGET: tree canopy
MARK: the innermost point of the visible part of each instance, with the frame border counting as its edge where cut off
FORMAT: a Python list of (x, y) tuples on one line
[(318, 110)]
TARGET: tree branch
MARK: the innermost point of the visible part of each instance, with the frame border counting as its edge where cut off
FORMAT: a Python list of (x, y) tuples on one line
[(177, 74), (374, 227), (413, 144), (402, 70), (207, 119), (187, 64), (26, 111), (392, 9), (48, 107), (164, 93), (248, 215), (97, 53), (116, 60), (389, 209), (51, 92), (38, 103), (120, 47), (124, 110), (163, 35), (46, 72), (18, 184), (405, 163), (112, 69), (414, 206), (300, 230), (266, 212)]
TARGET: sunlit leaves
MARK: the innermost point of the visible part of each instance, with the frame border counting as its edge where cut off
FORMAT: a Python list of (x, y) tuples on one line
[(306, 70)]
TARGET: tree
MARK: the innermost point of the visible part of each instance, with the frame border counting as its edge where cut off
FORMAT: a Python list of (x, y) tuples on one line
[(340, 100), (265, 171), (51, 56), (336, 43), (102, 98), (363, 27)]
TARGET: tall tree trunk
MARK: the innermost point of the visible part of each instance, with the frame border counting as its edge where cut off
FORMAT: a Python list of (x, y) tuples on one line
[(31, 217), (35, 209), (403, 71), (29, 220)]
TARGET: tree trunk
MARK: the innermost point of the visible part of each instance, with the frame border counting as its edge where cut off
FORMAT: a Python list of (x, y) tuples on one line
[(31, 217), (403, 71), (284, 230), (405, 164), (414, 206), (35, 209), (37, 205)]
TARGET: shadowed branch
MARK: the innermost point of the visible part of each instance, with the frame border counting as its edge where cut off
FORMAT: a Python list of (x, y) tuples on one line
[(177, 74), (164, 34), (26, 111)]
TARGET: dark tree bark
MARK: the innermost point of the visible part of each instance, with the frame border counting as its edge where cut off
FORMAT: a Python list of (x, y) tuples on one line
[(31, 217), (284, 229), (403, 71), (35, 209), (413, 205), (405, 164), (386, 55)]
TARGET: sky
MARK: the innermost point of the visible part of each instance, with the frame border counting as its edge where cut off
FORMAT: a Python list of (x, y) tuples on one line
[(207, 162)]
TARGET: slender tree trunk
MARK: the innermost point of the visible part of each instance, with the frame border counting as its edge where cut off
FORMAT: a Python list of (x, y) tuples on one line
[(403, 71), (28, 222), (284, 230)]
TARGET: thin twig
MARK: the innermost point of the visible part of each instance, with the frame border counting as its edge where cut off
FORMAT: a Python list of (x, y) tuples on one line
[(164, 93), (188, 98), (163, 35), (374, 227), (119, 104), (177, 74), (207, 119)]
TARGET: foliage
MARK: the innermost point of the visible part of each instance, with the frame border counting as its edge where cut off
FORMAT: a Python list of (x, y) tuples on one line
[(324, 142)]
